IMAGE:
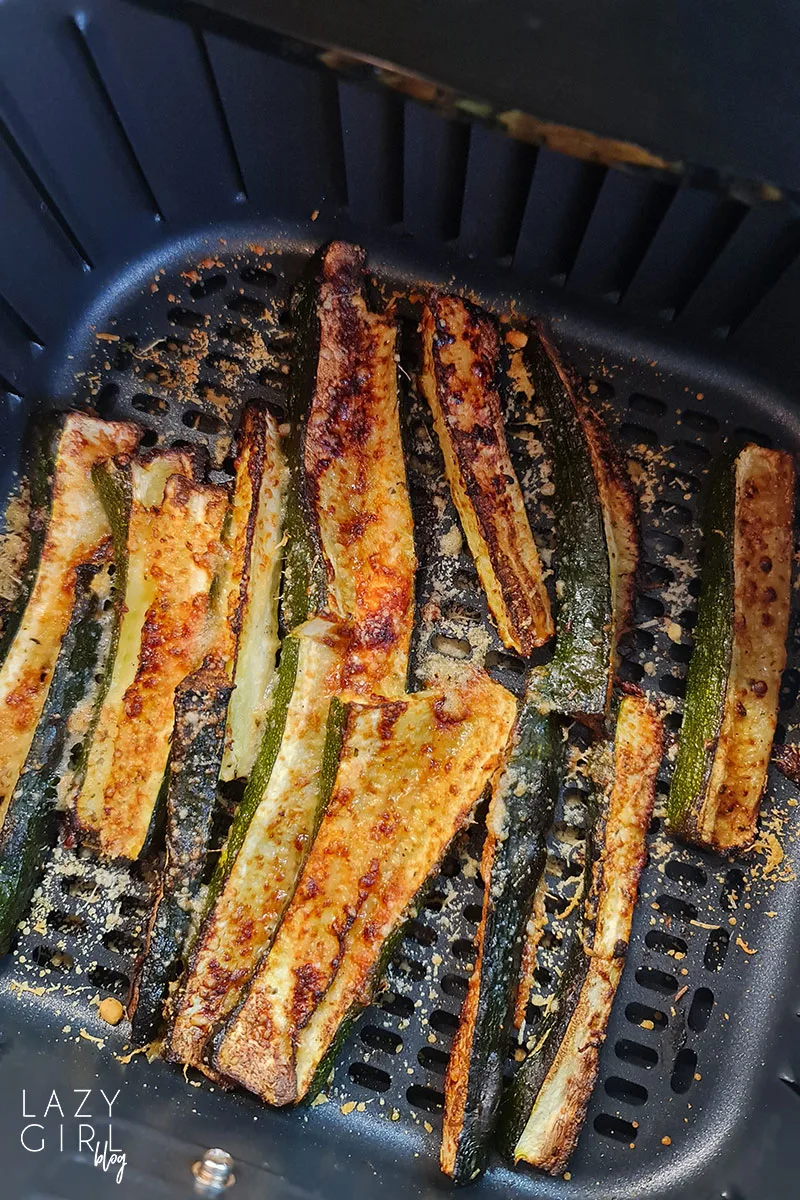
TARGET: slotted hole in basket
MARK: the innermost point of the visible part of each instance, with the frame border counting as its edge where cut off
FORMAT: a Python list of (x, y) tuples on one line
[(208, 287), (396, 1004), (691, 453), (673, 686), (656, 981), (65, 922), (665, 943), (435, 901), (443, 1022), (51, 959), (79, 885), (654, 575), (464, 949), (649, 406), (420, 933), (413, 969), (637, 435), (108, 980), (133, 906), (237, 334), (630, 671), (258, 277), (497, 660), (665, 543), (625, 1090), (433, 1059), (378, 1038), (650, 607), (615, 1128), (684, 1070), (426, 1099), (636, 1053), (700, 1010), (677, 909), (451, 647), (716, 950), (186, 318), (689, 875), (248, 307), (120, 942), (645, 1017), (454, 985), (680, 653), (152, 405), (450, 866), (473, 913), (702, 422), (203, 422), (732, 889), (105, 400), (367, 1076)]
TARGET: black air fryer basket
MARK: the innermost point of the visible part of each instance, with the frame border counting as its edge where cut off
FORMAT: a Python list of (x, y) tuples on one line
[(164, 176)]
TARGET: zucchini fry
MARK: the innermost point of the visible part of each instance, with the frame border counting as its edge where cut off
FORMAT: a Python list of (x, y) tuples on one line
[(354, 477), (201, 705), (460, 366), (597, 540), (172, 542), (409, 775), (247, 592), (524, 794), (739, 652), (77, 526), (31, 822), (543, 1111), (270, 837)]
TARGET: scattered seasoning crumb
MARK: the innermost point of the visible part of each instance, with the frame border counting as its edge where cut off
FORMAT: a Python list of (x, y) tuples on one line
[(348, 1107), (315, 214), (361, 1106), (674, 631), (666, 1141), (107, 337), (427, 1126), (89, 1037), (679, 995), (320, 1098), (646, 1024), (698, 1076), (395, 1114), (110, 1011), (731, 920), (742, 944)]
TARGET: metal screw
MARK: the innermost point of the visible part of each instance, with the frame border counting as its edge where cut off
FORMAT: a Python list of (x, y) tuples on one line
[(213, 1173)]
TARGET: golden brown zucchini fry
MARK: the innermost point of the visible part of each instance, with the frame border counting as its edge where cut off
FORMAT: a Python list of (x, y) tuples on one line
[(77, 525), (460, 364), (739, 653), (355, 477), (409, 775), (544, 1109)]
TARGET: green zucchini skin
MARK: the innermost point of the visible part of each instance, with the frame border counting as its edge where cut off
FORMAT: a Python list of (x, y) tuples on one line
[(31, 824), (707, 676), (518, 1100), (577, 681), (522, 807), (201, 707), (305, 584)]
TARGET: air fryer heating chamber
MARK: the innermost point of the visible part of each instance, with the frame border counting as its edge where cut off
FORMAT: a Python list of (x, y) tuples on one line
[(162, 185)]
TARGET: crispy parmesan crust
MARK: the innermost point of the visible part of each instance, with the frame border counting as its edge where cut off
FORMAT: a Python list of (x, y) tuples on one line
[(460, 362), (762, 565), (76, 530), (410, 773), (554, 1124), (355, 476)]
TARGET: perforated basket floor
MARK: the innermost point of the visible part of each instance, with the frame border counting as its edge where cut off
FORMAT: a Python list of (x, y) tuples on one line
[(698, 1060)]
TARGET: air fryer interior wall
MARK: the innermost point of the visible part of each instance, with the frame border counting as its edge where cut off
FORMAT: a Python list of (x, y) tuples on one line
[(162, 187)]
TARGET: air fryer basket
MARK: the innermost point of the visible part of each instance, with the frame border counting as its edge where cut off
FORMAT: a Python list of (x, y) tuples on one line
[(160, 189)]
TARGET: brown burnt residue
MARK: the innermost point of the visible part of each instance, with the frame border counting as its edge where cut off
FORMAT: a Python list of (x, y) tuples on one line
[(461, 352)]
